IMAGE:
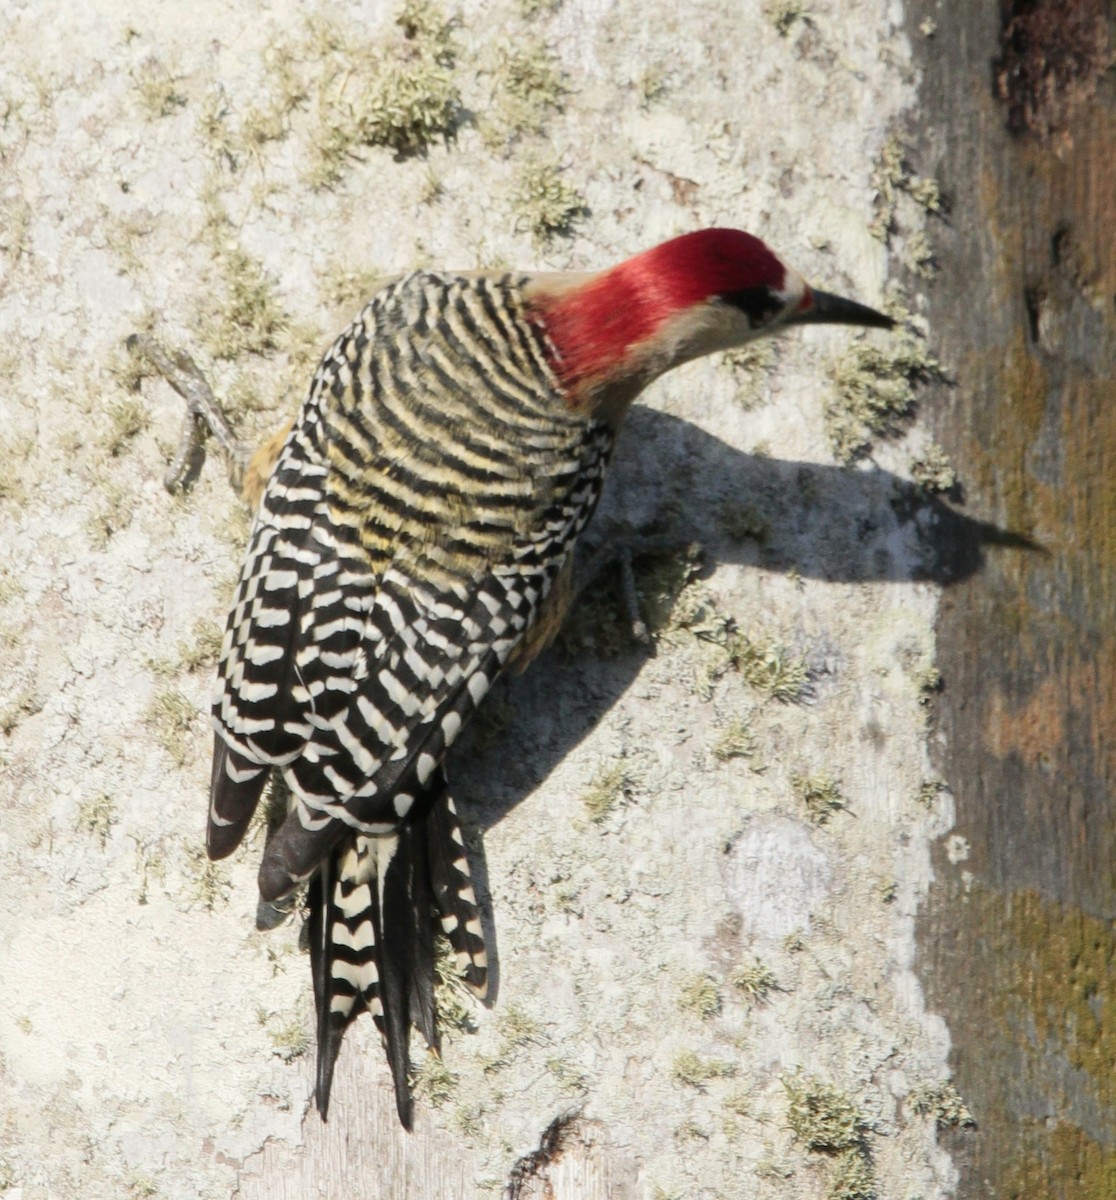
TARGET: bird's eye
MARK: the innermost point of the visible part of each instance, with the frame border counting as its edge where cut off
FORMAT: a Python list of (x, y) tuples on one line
[(758, 304)]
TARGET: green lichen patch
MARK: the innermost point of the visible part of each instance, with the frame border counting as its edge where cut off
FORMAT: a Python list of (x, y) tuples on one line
[(929, 790), (892, 177), (822, 1117), (652, 85), (755, 981), (751, 365), (128, 417), (283, 65), (530, 9), (761, 658), (124, 236), (151, 867), (290, 1039), (919, 255), (600, 623), (247, 317), (203, 647), (820, 795), (449, 991), (698, 1071), (209, 882), (261, 124), (873, 391), (518, 1030), (433, 189), (529, 86), (933, 471), (142, 1187), (700, 995), (408, 106), (568, 1076), (15, 220), (11, 586), (397, 91), (215, 129), (233, 529), (334, 150), (23, 704), (691, 1131), (738, 1103), (886, 890), (943, 1102), (126, 363), (348, 285), (158, 89), (428, 29), (468, 1119), (608, 788), (853, 1177), (112, 512), (97, 816), (545, 203), (407, 97), (928, 680), (769, 666), (785, 14), (434, 1081), (171, 717), (15, 453), (736, 740)]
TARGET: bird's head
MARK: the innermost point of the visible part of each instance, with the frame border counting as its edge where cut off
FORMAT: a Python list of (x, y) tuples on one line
[(701, 292)]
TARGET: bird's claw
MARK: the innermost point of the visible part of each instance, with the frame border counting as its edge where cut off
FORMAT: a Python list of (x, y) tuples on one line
[(203, 415)]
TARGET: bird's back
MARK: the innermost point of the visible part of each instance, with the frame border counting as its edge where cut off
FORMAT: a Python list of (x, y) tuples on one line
[(422, 506)]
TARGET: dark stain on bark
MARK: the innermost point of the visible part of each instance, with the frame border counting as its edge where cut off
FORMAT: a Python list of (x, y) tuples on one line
[(1052, 55)]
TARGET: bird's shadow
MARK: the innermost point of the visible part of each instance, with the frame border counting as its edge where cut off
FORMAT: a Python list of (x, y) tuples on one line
[(840, 524)]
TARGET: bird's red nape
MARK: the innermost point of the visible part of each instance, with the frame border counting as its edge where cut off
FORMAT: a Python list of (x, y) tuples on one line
[(594, 326)]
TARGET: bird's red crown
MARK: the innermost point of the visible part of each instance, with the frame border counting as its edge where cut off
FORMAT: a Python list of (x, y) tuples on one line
[(594, 326)]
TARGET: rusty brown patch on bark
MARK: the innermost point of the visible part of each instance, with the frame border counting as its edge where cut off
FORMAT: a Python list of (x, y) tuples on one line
[(1033, 730)]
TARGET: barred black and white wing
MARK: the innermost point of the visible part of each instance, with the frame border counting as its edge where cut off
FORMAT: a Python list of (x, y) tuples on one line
[(421, 510)]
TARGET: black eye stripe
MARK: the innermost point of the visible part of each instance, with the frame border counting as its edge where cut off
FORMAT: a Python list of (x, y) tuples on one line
[(759, 304)]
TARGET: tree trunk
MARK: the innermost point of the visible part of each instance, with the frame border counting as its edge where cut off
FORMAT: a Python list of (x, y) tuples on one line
[(1017, 943)]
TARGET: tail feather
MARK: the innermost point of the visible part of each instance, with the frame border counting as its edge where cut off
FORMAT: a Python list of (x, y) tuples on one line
[(372, 913), (398, 959), (421, 1006), (453, 890), (331, 1023), (344, 915)]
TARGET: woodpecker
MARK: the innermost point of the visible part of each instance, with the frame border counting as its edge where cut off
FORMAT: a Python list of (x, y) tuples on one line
[(413, 540)]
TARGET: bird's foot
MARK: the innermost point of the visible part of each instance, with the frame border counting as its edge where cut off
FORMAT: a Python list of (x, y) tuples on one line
[(203, 416), (623, 548)]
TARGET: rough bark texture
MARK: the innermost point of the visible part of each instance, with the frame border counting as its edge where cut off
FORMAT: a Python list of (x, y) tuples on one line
[(704, 865), (1017, 942)]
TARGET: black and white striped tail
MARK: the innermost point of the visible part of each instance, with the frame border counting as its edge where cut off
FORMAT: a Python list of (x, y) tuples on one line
[(373, 906)]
